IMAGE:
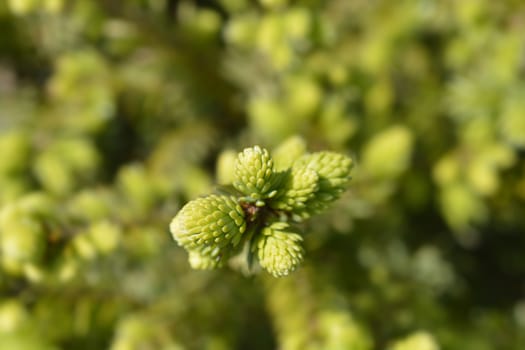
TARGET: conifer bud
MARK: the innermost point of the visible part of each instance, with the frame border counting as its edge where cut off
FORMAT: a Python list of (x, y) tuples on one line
[(209, 225), (334, 174), (279, 249), (333, 169), (254, 173), (300, 186)]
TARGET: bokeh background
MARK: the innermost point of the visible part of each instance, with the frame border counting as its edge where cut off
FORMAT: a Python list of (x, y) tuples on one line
[(113, 114)]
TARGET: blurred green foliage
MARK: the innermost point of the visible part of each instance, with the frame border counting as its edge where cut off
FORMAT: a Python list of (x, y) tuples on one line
[(113, 114)]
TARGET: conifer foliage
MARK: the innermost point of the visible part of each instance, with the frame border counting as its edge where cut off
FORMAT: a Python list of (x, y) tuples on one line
[(175, 174)]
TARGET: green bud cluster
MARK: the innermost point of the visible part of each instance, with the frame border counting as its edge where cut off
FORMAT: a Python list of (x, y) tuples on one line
[(253, 222)]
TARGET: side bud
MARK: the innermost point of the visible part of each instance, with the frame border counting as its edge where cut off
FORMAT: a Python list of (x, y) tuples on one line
[(209, 226), (279, 249), (300, 186), (254, 174), (334, 175)]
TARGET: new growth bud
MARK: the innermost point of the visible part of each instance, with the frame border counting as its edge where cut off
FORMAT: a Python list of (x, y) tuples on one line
[(279, 249), (209, 225), (333, 170), (300, 186), (254, 174)]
